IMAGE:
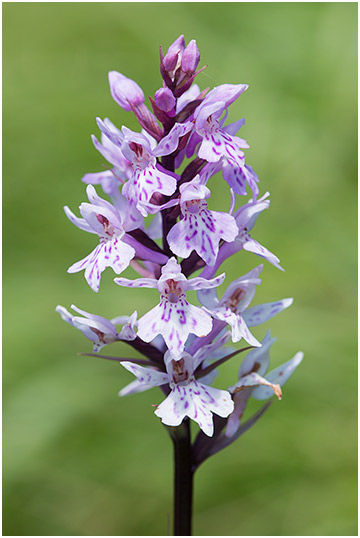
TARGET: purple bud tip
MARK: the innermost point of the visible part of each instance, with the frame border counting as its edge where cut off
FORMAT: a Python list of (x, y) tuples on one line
[(165, 99), (174, 54), (177, 46), (190, 58), (125, 91), (171, 61)]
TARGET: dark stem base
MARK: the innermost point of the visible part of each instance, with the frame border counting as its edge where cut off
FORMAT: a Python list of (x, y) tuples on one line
[(183, 480)]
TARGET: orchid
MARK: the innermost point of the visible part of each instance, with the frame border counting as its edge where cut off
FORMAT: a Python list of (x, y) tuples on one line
[(201, 359), (182, 344), (252, 383), (110, 180), (200, 229), (146, 176), (98, 329), (103, 219), (174, 318), (218, 143), (188, 397), (245, 218)]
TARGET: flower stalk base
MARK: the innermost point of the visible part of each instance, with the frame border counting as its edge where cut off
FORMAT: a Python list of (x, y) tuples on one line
[(183, 479)]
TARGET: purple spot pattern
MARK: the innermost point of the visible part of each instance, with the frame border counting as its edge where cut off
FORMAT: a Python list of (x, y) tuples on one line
[(109, 253), (262, 313), (144, 182), (196, 401), (253, 246), (174, 321), (202, 232)]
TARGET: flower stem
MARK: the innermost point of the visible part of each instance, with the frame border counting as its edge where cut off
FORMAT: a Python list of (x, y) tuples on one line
[(183, 480)]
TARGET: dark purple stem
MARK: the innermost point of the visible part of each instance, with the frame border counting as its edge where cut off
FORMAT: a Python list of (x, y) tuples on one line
[(168, 162), (142, 362), (146, 349), (183, 464), (183, 479)]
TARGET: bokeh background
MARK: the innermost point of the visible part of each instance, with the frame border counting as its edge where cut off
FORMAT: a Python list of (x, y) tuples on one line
[(77, 459)]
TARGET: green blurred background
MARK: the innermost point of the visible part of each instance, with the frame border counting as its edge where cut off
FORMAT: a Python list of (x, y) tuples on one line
[(77, 459)]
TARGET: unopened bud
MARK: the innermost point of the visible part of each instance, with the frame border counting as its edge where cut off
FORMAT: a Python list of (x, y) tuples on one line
[(125, 91), (165, 99), (190, 58), (174, 54)]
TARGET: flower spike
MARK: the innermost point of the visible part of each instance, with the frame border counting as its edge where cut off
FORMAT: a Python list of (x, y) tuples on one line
[(155, 221)]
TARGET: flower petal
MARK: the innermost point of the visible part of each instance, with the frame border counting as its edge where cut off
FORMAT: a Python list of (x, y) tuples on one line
[(280, 375), (134, 387), (237, 174), (253, 246), (101, 323), (200, 283), (202, 232), (145, 183), (146, 375), (263, 312), (79, 222), (205, 110), (113, 253), (138, 283), (254, 379), (171, 141), (208, 298), (196, 401), (174, 321), (258, 360), (233, 128), (247, 214), (226, 92), (65, 314), (109, 182)]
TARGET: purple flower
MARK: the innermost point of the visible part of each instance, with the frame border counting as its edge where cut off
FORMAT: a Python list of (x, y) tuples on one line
[(202, 356), (149, 177), (245, 218), (102, 218), (252, 382), (227, 93), (233, 309), (110, 180), (129, 324), (188, 397), (98, 329), (218, 144), (125, 91), (174, 318), (231, 306), (200, 229)]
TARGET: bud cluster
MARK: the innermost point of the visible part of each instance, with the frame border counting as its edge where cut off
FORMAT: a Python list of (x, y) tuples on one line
[(182, 344)]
